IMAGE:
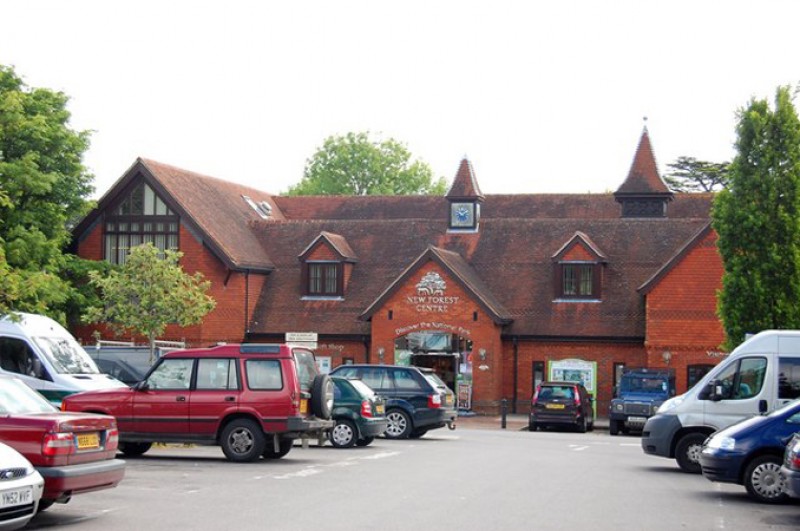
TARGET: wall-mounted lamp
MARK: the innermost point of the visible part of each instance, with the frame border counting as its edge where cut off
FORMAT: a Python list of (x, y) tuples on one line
[(666, 356), (482, 354), (381, 352)]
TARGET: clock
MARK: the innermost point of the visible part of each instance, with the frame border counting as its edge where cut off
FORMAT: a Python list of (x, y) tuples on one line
[(462, 215)]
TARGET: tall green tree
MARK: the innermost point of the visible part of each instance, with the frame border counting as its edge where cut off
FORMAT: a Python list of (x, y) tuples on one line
[(691, 175), (149, 292), (44, 188), (354, 164), (758, 222)]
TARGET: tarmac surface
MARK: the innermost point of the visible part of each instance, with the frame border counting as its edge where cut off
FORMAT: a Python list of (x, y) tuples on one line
[(514, 421)]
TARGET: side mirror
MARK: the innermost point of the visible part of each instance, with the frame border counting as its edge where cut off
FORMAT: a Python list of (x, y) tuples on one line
[(141, 386)]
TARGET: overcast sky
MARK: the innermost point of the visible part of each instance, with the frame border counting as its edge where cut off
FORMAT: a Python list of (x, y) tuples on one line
[(540, 96)]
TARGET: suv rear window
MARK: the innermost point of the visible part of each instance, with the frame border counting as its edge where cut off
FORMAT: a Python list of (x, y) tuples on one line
[(557, 391), (306, 368)]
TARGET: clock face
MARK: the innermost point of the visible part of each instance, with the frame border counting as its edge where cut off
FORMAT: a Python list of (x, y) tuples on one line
[(462, 215)]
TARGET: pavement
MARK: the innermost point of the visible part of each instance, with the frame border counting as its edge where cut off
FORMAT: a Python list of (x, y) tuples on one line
[(514, 421)]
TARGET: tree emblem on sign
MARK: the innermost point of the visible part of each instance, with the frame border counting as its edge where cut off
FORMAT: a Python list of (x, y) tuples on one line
[(431, 284)]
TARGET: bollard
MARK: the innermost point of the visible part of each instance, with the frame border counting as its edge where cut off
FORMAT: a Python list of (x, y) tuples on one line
[(503, 412)]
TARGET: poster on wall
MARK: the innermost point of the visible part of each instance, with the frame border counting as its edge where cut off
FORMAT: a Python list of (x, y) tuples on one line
[(575, 370)]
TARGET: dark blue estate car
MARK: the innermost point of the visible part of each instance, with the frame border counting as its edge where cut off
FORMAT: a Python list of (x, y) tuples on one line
[(750, 453)]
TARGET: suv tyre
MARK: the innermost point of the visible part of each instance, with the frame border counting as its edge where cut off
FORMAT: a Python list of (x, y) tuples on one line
[(322, 396), (243, 440), (285, 446), (134, 449), (399, 424)]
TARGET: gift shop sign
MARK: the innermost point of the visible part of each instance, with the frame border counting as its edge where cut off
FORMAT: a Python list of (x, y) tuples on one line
[(431, 297)]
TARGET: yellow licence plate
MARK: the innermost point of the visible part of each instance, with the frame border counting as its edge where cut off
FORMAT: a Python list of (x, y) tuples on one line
[(87, 441), (379, 409), (554, 406), (303, 405)]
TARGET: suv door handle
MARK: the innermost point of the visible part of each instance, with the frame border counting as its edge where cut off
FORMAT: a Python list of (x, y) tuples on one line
[(180, 399), (230, 399)]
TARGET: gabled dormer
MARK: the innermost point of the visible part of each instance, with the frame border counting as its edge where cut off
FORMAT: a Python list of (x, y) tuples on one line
[(644, 194), (464, 200), (327, 266), (578, 270)]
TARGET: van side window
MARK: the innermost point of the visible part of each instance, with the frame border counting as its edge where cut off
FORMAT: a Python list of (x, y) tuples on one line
[(743, 378), (16, 357), (789, 378)]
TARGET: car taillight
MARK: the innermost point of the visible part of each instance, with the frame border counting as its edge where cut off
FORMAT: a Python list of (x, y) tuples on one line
[(577, 399), (112, 439), (366, 409), (58, 444), (434, 401), (794, 461), (535, 396)]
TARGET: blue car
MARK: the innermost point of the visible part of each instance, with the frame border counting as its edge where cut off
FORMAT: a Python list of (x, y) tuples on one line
[(750, 453), (791, 467)]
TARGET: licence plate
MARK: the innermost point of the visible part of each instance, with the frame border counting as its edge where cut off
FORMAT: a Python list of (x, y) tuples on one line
[(303, 405), (379, 409), (554, 406), (448, 400), (88, 441), (22, 496), (637, 420)]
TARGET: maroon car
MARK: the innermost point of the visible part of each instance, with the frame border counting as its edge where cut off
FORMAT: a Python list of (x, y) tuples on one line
[(253, 400), (74, 452)]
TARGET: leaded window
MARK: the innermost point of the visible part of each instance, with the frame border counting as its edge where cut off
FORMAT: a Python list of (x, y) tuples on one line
[(141, 217)]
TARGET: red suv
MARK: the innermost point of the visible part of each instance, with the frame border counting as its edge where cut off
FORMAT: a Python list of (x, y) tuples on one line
[(252, 399)]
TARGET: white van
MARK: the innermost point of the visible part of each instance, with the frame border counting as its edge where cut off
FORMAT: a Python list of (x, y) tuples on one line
[(44, 355), (760, 375)]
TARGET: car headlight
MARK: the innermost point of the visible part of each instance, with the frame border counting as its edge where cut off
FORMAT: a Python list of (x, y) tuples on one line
[(673, 402), (721, 443), (618, 407)]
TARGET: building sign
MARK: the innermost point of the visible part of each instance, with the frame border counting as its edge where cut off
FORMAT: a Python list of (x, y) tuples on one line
[(302, 339), (430, 297), (575, 370)]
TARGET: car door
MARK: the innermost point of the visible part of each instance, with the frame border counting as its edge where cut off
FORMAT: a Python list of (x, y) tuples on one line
[(745, 390), (161, 404), (215, 393)]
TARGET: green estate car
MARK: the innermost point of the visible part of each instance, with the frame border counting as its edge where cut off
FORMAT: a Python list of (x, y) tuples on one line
[(359, 414)]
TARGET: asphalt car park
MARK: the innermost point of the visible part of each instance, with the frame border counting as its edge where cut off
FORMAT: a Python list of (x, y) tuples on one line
[(465, 479)]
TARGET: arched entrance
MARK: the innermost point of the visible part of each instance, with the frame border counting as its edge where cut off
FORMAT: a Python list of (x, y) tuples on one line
[(448, 354)]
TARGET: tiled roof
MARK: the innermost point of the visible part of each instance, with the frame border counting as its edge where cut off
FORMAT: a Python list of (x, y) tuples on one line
[(510, 257), (465, 186), (643, 178), (337, 242)]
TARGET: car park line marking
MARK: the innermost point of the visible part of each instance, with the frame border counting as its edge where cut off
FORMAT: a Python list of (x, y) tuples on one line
[(300, 474), (381, 455), (637, 445), (578, 448)]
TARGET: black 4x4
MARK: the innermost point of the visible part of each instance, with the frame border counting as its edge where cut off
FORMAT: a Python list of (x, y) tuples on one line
[(253, 400), (562, 404), (417, 399)]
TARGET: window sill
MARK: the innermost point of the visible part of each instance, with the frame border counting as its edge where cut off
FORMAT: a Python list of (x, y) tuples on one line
[(592, 301), (321, 298)]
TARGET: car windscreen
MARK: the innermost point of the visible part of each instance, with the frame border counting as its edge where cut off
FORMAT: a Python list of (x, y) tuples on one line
[(16, 398), (556, 392), (634, 384), (66, 355)]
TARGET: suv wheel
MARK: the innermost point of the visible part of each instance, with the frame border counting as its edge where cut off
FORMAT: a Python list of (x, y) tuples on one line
[(285, 446), (242, 441), (763, 479), (614, 427), (322, 396), (343, 434), (399, 424), (687, 452)]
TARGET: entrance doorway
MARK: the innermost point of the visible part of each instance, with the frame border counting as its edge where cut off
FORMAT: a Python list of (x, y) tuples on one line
[(449, 355)]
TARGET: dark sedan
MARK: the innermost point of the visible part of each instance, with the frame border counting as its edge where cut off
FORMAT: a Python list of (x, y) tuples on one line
[(359, 414), (750, 453)]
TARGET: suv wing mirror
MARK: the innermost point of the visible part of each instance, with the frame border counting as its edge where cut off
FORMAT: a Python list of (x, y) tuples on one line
[(142, 386)]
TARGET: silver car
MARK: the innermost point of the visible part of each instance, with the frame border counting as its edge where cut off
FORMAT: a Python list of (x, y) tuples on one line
[(21, 488)]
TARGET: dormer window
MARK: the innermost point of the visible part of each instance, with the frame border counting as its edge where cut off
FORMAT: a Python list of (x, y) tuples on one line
[(579, 280), (578, 270), (324, 279)]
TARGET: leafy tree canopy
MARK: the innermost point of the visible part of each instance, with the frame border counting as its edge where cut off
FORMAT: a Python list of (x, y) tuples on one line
[(691, 175), (758, 222), (149, 292), (354, 164), (43, 192)]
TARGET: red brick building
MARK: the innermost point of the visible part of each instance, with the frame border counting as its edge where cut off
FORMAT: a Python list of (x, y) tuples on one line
[(493, 291)]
